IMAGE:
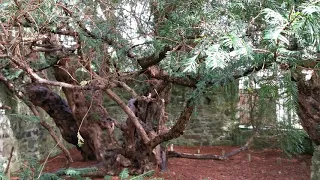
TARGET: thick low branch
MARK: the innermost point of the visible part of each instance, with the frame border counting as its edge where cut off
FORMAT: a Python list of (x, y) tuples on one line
[(57, 108), (179, 126), (3, 106), (243, 148)]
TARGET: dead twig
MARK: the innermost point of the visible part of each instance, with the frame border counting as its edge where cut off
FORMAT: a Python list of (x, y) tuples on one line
[(45, 162), (9, 160)]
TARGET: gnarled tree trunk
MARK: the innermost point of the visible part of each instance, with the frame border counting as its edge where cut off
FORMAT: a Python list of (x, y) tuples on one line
[(84, 114), (309, 104)]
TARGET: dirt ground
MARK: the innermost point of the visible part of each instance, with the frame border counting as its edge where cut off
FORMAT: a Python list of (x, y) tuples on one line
[(248, 165)]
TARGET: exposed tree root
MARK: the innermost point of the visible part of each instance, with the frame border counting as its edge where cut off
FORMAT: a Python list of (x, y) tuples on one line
[(101, 171)]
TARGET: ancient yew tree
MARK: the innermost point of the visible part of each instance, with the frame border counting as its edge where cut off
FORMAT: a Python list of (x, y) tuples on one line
[(89, 49)]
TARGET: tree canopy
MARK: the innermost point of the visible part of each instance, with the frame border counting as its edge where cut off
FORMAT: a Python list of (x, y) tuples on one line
[(204, 42), (88, 48)]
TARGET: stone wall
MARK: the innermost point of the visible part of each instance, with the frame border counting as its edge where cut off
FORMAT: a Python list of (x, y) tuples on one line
[(21, 130), (211, 121), (7, 141)]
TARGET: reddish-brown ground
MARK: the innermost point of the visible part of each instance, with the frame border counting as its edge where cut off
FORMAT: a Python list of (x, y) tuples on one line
[(247, 165)]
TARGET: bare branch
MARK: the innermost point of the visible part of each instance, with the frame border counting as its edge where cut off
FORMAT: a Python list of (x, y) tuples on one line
[(9, 161), (179, 126), (195, 156), (88, 32), (3, 106), (127, 88), (213, 156), (41, 80), (131, 115)]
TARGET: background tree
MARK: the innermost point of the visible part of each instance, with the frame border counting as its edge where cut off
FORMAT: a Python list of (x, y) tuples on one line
[(89, 48)]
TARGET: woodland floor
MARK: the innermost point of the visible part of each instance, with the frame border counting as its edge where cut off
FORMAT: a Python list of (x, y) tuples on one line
[(264, 165)]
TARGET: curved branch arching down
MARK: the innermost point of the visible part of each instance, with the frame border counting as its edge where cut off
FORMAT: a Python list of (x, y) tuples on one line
[(57, 108), (60, 112)]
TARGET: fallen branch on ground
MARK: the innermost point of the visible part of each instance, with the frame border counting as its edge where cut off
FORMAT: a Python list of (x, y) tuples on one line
[(211, 156)]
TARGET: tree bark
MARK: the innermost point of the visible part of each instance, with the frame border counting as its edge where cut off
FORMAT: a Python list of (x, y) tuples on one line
[(59, 110), (309, 103), (84, 114)]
